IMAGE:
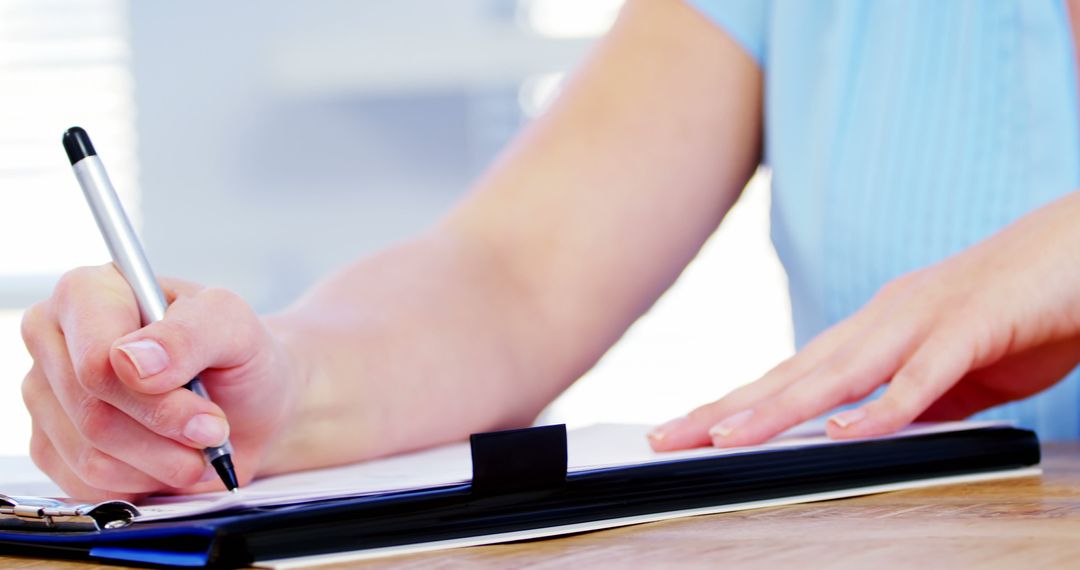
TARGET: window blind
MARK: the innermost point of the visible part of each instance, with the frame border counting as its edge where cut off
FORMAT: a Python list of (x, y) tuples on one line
[(62, 63)]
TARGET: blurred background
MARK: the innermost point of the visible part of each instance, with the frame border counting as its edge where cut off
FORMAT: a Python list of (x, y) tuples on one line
[(259, 145)]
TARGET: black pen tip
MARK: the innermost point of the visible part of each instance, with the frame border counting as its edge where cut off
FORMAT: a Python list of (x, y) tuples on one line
[(77, 144), (224, 467)]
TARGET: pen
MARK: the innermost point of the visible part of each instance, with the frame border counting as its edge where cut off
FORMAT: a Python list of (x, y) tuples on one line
[(128, 255)]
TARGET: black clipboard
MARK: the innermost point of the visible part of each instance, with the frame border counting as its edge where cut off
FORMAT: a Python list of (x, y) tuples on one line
[(520, 483)]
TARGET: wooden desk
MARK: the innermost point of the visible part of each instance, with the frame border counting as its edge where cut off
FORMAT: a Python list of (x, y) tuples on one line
[(1021, 523)]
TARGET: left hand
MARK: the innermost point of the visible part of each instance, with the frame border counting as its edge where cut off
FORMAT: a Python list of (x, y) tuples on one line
[(998, 322)]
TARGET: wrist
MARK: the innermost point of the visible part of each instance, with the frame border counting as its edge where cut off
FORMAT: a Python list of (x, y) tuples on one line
[(323, 407), (285, 449)]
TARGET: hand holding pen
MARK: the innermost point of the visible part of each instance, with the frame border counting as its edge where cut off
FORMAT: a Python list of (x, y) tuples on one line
[(128, 256), (115, 413)]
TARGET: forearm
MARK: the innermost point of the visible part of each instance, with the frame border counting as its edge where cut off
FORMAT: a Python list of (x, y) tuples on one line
[(475, 326), (422, 344), (580, 226)]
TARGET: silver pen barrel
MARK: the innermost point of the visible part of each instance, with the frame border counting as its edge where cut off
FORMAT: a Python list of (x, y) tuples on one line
[(120, 237)]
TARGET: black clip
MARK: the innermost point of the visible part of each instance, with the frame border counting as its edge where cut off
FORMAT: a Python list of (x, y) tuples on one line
[(529, 459)]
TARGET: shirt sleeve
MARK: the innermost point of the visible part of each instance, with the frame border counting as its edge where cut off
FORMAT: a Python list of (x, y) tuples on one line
[(744, 20)]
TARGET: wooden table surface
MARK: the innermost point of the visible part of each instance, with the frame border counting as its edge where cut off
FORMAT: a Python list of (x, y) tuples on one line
[(1019, 523)]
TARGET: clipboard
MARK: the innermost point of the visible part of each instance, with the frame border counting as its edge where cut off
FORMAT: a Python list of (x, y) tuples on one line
[(520, 489)]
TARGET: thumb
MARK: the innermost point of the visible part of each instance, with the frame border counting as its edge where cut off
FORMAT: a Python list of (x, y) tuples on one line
[(211, 328)]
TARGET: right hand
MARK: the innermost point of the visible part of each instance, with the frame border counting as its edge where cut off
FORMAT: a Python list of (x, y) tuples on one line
[(111, 418)]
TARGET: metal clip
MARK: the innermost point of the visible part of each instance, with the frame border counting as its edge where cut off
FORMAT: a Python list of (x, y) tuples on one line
[(37, 513)]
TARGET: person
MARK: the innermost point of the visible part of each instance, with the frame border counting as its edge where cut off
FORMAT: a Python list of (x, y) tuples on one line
[(924, 157)]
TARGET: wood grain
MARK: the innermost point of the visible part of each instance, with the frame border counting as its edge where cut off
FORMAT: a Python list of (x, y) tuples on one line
[(1021, 523)]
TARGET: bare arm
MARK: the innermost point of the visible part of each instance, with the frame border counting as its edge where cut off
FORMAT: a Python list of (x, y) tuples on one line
[(582, 224), (475, 325)]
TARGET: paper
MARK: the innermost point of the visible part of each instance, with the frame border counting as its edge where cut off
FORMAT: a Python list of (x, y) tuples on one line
[(593, 447)]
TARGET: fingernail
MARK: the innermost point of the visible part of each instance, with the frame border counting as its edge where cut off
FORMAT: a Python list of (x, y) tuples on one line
[(148, 357), (848, 417), (207, 430), (729, 425), (661, 431)]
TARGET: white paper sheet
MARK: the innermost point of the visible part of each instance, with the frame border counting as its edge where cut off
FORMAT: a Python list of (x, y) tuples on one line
[(598, 446)]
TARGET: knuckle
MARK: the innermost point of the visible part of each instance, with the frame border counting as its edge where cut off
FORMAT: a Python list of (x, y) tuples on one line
[(785, 368), (740, 397), (90, 370), (78, 291), (176, 288), (705, 412), (226, 303), (164, 417), (218, 296), (783, 405), (913, 378), (96, 469), (900, 286), (832, 383), (66, 284), (75, 281), (184, 326), (891, 289), (33, 321), (843, 379), (851, 391), (838, 370), (95, 420), (902, 401), (31, 389), (178, 335), (790, 406), (40, 450), (184, 472)]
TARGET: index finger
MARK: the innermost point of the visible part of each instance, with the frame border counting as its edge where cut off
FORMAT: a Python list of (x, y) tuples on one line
[(93, 306), (849, 375), (693, 430)]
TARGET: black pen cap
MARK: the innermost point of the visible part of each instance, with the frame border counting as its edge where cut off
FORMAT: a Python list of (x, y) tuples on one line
[(77, 144)]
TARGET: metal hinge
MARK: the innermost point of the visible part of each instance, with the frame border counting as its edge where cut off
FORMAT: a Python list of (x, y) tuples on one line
[(36, 513)]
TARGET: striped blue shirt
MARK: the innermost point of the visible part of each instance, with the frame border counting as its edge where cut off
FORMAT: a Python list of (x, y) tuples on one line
[(900, 132)]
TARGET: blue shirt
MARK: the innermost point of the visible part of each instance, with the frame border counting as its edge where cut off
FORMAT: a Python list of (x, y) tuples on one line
[(900, 132)]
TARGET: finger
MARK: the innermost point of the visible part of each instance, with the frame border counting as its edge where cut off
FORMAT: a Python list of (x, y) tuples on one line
[(94, 306), (174, 288), (851, 374), (212, 328), (35, 318), (996, 384), (101, 425), (91, 466), (932, 369), (48, 460), (99, 300), (693, 430), (967, 396)]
